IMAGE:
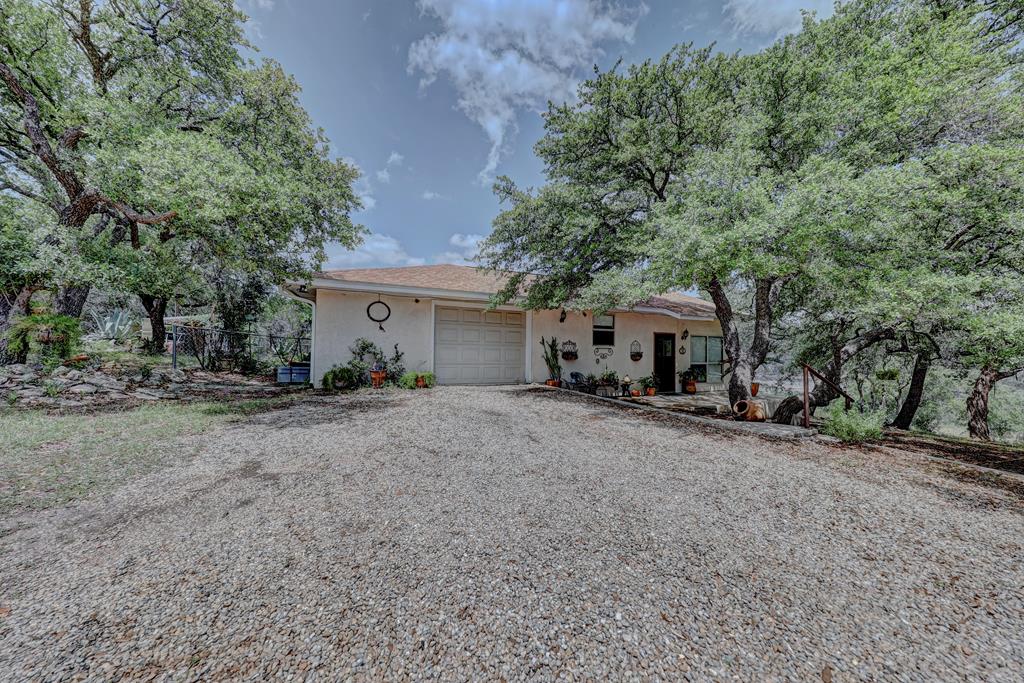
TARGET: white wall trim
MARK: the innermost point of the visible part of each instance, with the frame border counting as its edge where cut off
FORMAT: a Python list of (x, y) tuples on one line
[(529, 347), (433, 333)]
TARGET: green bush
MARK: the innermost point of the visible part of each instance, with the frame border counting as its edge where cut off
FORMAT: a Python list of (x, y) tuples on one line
[(52, 337), (408, 379), (341, 377), (853, 426)]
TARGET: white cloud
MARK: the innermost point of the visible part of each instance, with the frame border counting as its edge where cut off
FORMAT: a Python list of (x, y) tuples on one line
[(376, 250), (506, 56), (384, 176), (775, 18), (431, 196), (395, 159), (466, 249), (261, 4)]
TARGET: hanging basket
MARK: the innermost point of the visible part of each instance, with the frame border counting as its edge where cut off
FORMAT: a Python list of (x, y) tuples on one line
[(635, 351), (569, 350)]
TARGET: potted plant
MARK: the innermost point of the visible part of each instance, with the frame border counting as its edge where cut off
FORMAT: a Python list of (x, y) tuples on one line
[(608, 378), (688, 377), (378, 374), (551, 360), (648, 384)]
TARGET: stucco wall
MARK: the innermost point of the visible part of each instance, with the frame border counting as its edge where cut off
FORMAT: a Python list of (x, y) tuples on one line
[(628, 327), (341, 319)]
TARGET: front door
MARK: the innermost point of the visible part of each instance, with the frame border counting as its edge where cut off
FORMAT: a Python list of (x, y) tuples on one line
[(665, 361)]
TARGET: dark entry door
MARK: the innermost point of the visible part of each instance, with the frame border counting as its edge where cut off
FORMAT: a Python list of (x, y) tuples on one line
[(665, 361)]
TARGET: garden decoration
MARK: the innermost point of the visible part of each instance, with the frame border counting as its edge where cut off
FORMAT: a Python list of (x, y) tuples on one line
[(751, 411), (603, 353), (635, 351), (569, 350), (378, 312), (626, 385)]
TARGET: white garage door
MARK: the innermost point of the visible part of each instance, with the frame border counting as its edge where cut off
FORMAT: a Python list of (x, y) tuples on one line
[(473, 346)]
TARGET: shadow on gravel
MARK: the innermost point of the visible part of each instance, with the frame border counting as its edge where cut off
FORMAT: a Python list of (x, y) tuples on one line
[(322, 409)]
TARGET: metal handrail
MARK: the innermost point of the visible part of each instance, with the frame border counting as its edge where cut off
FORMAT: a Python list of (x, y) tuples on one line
[(808, 372)]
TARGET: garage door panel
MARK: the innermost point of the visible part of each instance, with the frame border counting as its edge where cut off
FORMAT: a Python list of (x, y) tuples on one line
[(474, 346)]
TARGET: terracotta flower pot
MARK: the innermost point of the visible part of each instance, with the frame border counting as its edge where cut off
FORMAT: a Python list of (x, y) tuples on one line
[(553, 382), (650, 391), (634, 392), (691, 386), (377, 377), (421, 382), (754, 386)]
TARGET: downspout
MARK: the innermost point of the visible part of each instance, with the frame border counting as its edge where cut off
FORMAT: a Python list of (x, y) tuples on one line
[(312, 332)]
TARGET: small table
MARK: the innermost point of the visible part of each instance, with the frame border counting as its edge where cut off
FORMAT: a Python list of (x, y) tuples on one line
[(624, 386)]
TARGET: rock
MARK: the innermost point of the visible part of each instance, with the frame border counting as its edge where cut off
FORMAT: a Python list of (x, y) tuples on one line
[(82, 388), (60, 371), (150, 394), (178, 376), (74, 375), (27, 377), (17, 369), (30, 392), (825, 438)]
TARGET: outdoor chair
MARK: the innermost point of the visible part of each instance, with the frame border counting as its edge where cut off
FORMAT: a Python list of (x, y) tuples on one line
[(577, 382)]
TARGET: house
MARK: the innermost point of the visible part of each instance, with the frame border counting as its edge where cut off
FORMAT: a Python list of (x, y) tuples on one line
[(439, 317)]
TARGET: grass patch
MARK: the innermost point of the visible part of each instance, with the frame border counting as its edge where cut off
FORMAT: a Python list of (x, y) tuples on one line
[(852, 426), (51, 459)]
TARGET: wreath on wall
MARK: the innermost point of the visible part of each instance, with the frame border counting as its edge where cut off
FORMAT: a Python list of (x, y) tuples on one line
[(378, 312)]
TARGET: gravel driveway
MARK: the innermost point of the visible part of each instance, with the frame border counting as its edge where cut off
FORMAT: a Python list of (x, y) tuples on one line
[(519, 534)]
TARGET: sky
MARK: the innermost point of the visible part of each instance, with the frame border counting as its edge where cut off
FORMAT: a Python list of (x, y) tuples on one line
[(432, 99)]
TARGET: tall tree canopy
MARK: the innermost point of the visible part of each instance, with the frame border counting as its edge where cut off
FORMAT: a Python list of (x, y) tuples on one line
[(158, 147), (851, 180)]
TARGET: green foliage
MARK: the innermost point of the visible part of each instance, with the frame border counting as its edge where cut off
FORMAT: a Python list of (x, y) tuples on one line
[(117, 324), (647, 382), (342, 377), (365, 355), (852, 426), (51, 337), (608, 377), (408, 379), (551, 357)]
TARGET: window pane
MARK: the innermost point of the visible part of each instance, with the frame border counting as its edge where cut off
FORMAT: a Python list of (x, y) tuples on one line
[(701, 371), (604, 338), (714, 372), (604, 321), (714, 349), (698, 346)]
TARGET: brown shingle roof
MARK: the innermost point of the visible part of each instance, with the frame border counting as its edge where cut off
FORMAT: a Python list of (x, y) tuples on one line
[(470, 279)]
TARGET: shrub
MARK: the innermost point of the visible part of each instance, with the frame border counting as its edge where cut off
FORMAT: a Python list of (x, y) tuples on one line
[(408, 379), (341, 377), (53, 337), (853, 426)]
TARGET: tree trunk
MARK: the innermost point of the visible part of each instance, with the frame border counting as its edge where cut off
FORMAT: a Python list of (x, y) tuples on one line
[(70, 300), (156, 308), (745, 362), (13, 304), (977, 405), (915, 392), (823, 394)]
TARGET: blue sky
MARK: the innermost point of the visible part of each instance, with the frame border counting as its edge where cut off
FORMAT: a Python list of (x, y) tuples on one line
[(433, 98)]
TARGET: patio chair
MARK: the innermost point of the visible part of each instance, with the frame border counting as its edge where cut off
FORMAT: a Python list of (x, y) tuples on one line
[(577, 382)]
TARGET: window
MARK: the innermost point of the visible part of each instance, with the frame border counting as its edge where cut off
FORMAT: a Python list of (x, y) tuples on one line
[(706, 358), (604, 330)]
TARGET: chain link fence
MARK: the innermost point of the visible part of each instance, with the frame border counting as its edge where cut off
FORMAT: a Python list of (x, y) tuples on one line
[(215, 349)]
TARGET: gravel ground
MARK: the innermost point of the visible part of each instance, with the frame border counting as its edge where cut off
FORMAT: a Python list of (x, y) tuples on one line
[(518, 534)]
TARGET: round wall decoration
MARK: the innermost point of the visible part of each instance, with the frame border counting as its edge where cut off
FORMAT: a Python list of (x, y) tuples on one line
[(378, 312)]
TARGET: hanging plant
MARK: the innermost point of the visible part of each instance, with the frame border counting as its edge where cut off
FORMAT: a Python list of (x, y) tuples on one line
[(635, 351), (569, 350)]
